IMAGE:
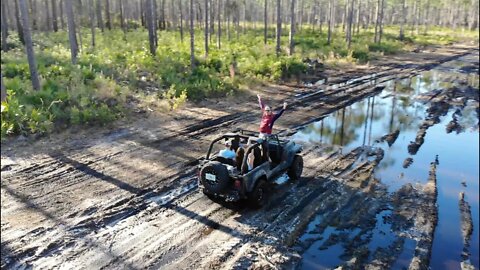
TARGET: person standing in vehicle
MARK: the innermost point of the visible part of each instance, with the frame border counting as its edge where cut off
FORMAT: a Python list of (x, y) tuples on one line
[(268, 118)]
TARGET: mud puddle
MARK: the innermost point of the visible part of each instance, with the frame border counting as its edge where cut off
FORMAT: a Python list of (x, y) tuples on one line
[(432, 117)]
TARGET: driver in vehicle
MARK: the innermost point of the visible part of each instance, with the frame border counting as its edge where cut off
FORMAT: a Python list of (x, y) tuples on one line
[(228, 152)]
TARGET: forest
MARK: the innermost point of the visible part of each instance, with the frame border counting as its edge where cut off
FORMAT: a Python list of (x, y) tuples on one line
[(73, 62)]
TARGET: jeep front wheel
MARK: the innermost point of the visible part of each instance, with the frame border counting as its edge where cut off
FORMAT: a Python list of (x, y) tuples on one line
[(296, 168), (259, 195)]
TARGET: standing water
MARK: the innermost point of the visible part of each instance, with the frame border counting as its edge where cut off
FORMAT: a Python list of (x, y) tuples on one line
[(453, 140)]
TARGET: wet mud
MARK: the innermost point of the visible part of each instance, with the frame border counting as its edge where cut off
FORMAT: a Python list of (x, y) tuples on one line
[(128, 198)]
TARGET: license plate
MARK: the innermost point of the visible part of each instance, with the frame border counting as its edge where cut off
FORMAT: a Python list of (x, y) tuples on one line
[(210, 177)]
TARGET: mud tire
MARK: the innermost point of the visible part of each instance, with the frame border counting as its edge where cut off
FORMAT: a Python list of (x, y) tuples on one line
[(220, 171), (296, 169), (259, 196)]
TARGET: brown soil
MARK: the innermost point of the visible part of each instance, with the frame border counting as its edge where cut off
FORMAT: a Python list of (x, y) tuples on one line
[(124, 196)]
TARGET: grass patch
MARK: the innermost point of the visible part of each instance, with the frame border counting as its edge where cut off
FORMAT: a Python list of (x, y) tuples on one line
[(94, 91)]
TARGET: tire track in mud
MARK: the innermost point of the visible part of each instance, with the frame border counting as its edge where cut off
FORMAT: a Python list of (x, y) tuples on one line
[(123, 211)]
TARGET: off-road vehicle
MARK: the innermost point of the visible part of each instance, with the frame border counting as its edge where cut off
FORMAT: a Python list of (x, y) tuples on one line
[(233, 180)]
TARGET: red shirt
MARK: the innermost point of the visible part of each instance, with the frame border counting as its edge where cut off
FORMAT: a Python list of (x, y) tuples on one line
[(266, 125)]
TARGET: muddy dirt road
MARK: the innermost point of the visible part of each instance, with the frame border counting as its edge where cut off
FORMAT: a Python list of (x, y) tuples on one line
[(128, 198)]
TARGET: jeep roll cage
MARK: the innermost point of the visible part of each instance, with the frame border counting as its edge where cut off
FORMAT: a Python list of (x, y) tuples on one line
[(249, 136)]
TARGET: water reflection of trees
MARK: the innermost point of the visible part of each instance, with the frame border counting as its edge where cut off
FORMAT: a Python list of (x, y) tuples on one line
[(397, 110)]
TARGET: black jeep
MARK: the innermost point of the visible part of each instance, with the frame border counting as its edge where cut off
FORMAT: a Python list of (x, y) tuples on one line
[(232, 180)]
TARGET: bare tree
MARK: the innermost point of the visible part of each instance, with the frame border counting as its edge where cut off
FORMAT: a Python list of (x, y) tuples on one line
[(19, 23), (33, 13), (62, 21), (206, 28), (377, 22), (2, 87), (4, 27), (403, 20), (92, 21), (32, 63), (382, 9), (192, 37), (227, 15), (291, 36), (265, 20), (122, 19), (150, 25), (331, 20), (219, 30), (107, 15), (181, 21), (48, 21), (99, 15), (54, 16), (349, 26), (359, 9), (279, 26), (72, 36)]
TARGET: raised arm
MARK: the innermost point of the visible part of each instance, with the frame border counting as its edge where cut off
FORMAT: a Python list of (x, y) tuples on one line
[(277, 115), (260, 103)]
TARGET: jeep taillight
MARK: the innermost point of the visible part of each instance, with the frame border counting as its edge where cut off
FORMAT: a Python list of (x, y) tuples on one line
[(238, 184)]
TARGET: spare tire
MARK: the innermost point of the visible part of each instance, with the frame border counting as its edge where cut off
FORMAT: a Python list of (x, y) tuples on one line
[(214, 177)]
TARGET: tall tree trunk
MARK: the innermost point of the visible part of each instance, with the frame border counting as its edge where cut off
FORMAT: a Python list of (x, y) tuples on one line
[(345, 15), (150, 25), (142, 13), (417, 17), (359, 11), (212, 20), (300, 19), (92, 21), (62, 20), (219, 26), (349, 27), (29, 45), (48, 21), (78, 24), (403, 21), (206, 28), (154, 25), (227, 14), (377, 22), (279, 27), (265, 21), (427, 17), (192, 37), (173, 14), (2, 85), (54, 16), (181, 21), (4, 27), (291, 36), (382, 8), (99, 15), (72, 36), (107, 15), (122, 16), (33, 13), (19, 23), (369, 15), (331, 18)]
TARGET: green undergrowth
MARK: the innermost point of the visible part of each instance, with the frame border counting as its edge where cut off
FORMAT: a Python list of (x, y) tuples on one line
[(95, 90)]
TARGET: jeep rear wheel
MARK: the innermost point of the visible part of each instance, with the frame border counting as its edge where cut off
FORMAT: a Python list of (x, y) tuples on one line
[(296, 168), (259, 195)]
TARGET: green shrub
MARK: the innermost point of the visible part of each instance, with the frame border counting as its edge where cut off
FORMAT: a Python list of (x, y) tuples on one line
[(361, 56)]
